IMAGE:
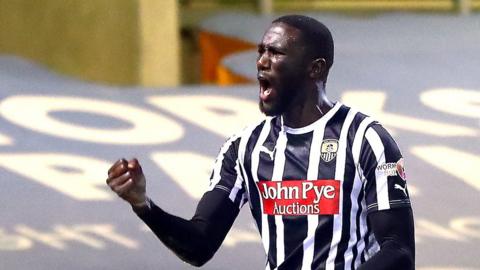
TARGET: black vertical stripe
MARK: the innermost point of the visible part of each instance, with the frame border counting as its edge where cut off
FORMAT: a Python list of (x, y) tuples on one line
[(323, 237), (297, 156), (272, 250), (295, 230)]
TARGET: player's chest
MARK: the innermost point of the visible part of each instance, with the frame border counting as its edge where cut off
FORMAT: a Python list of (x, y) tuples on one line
[(299, 158), (299, 177)]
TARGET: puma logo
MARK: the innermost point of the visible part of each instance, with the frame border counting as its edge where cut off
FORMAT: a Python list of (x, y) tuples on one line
[(268, 152), (404, 189)]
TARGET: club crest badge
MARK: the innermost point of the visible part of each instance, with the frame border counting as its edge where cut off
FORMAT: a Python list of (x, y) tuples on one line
[(329, 150)]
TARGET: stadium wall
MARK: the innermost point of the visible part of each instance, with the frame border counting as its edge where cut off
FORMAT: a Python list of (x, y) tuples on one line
[(123, 42)]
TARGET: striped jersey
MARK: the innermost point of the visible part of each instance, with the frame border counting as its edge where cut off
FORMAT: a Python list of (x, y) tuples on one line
[(310, 189)]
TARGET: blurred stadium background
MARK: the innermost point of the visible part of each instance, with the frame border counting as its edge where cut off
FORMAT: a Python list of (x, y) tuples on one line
[(83, 83)]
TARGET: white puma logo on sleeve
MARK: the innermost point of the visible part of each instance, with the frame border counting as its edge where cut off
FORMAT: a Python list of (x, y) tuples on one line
[(404, 189)]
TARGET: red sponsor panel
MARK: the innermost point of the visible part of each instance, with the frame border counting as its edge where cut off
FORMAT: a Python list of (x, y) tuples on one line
[(300, 197)]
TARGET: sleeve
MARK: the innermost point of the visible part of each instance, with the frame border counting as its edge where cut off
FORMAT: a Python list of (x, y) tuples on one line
[(383, 170), (195, 241), (227, 175), (394, 231)]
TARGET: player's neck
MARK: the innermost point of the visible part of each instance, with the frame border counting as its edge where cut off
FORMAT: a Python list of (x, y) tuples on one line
[(307, 111)]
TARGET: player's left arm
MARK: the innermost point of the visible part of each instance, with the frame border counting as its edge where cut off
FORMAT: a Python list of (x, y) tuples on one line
[(388, 202), (394, 231)]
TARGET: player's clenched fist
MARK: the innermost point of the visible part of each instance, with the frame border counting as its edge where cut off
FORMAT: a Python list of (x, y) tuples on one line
[(127, 180)]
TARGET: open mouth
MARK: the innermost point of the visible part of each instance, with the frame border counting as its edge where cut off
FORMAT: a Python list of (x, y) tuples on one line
[(265, 88)]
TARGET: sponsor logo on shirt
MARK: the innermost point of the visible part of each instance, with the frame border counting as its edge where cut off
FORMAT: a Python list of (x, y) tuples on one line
[(401, 169), (271, 154), (329, 149), (300, 197), (393, 169)]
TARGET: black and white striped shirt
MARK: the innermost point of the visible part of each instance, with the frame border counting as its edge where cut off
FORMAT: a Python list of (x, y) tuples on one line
[(310, 189)]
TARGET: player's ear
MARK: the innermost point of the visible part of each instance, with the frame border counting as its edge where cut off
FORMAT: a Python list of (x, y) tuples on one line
[(318, 69)]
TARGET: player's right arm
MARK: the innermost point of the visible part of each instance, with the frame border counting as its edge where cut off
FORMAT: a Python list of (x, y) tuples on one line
[(193, 240)]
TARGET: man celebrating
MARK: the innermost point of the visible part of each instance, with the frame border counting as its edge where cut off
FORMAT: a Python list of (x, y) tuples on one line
[(325, 183)]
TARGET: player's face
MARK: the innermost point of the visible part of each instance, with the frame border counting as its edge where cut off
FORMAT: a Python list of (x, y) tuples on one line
[(282, 68)]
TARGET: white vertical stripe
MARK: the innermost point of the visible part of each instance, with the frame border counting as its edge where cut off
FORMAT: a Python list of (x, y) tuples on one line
[(255, 162), (278, 167), (380, 177), (339, 175)]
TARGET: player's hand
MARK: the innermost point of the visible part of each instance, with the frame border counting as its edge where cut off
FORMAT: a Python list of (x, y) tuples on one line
[(127, 180)]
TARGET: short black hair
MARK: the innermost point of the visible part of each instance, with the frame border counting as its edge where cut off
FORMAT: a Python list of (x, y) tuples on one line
[(315, 34)]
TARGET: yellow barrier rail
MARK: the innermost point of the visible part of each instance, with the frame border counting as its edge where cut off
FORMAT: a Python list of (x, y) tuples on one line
[(431, 5), (337, 5)]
